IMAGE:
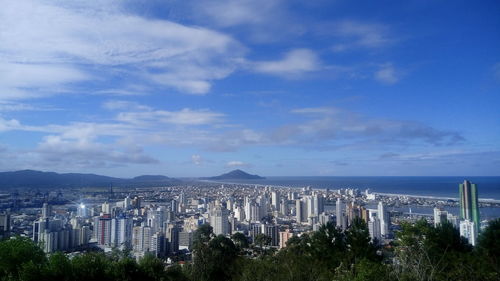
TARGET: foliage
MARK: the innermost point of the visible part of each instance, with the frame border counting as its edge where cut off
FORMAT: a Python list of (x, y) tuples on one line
[(420, 252)]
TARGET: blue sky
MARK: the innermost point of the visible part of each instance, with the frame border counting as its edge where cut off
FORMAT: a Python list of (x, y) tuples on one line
[(273, 87)]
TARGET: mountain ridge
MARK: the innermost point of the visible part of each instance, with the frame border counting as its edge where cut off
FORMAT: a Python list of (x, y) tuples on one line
[(235, 175), (41, 179)]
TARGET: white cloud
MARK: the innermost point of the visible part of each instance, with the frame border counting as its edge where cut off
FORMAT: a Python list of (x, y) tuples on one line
[(185, 116), (237, 12), (235, 164), (386, 74), (61, 151), (49, 44), (316, 110), (123, 105), (293, 64), (356, 34), (196, 159), (332, 125), (258, 20)]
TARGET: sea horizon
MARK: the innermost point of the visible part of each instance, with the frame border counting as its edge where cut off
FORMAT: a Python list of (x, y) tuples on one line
[(432, 186)]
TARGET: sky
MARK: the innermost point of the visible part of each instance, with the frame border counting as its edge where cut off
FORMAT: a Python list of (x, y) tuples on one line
[(188, 88)]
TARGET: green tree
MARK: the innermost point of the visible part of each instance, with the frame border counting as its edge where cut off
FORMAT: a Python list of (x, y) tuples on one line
[(152, 267), (359, 242), (488, 247), (59, 267), (20, 254), (215, 259), (240, 240), (127, 269), (93, 266), (262, 240)]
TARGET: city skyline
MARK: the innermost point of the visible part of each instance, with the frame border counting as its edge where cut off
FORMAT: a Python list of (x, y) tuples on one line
[(275, 88)]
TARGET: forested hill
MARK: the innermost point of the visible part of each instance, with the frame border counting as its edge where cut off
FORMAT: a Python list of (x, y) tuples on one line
[(39, 179), (235, 175)]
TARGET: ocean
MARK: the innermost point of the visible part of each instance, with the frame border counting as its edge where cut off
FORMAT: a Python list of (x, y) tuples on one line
[(488, 187)]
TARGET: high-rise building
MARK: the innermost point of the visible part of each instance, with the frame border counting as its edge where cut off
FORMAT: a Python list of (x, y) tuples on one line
[(284, 236), (364, 214), (106, 208), (272, 231), (374, 229), (121, 231), (440, 216), (383, 216), (275, 199), (219, 220), (141, 239), (174, 206), (468, 230), (172, 235), (46, 210), (340, 214), (185, 240), (82, 211), (299, 211), (104, 230), (4, 225), (469, 207), (318, 202), (284, 207)]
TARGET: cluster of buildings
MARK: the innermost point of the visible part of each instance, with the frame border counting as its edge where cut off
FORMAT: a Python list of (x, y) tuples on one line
[(163, 221), (165, 227), (468, 222)]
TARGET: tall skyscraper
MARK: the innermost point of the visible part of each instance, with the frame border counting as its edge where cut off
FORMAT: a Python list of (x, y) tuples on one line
[(121, 231), (219, 220), (275, 200), (469, 207), (384, 219), (104, 230), (46, 211), (340, 215), (374, 229)]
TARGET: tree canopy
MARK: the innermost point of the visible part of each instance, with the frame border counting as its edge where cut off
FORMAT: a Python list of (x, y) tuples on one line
[(420, 252)]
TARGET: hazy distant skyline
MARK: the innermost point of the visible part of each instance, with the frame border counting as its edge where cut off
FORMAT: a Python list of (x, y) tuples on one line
[(272, 87)]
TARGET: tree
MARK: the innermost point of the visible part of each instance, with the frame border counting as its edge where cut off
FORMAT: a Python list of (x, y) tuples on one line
[(328, 245), (262, 240), (93, 266), (214, 260), (489, 246), (17, 252), (203, 234), (240, 240), (127, 269), (152, 268), (59, 267), (359, 242)]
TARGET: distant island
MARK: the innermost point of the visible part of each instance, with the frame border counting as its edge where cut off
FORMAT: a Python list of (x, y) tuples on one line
[(235, 175), (39, 179)]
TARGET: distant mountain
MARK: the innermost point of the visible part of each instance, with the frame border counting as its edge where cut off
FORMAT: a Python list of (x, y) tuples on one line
[(236, 175), (38, 179)]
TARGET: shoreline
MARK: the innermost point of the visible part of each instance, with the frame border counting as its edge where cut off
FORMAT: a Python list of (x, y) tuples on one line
[(429, 197)]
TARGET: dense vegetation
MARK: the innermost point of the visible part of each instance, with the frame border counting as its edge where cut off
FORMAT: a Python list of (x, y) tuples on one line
[(420, 252)]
